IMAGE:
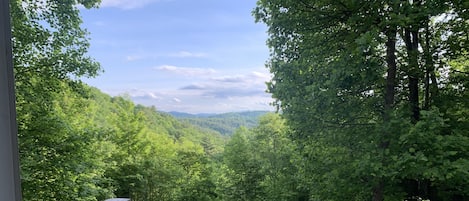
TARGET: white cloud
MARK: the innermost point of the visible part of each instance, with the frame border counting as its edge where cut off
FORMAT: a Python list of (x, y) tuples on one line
[(251, 78), (234, 104), (263, 76), (152, 95), (126, 4), (186, 71), (216, 93), (231, 78), (186, 54), (229, 86), (133, 57), (223, 100), (181, 54), (195, 86), (139, 94)]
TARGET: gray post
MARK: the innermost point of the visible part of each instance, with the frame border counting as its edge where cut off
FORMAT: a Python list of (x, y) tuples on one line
[(10, 189)]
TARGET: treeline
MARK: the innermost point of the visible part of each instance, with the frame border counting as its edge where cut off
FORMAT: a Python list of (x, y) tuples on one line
[(88, 146), (81, 144), (226, 123)]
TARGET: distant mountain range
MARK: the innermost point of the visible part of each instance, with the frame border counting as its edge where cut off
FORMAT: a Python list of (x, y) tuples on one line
[(188, 115), (225, 123)]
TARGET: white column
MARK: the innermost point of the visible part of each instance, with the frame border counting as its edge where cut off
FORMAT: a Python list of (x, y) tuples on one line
[(10, 188)]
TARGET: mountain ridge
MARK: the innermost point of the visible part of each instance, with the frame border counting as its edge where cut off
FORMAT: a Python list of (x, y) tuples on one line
[(186, 114), (224, 123)]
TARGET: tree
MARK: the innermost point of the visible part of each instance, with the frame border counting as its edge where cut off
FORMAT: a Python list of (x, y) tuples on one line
[(275, 154), (259, 164), (145, 161), (196, 182), (241, 176), (58, 151), (49, 50), (328, 60)]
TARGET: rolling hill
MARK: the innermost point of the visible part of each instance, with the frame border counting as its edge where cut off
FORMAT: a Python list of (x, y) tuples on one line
[(225, 123)]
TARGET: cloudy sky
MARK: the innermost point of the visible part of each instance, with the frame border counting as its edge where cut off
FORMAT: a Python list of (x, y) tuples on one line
[(196, 56)]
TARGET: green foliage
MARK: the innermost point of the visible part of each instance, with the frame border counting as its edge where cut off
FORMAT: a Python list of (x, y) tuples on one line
[(150, 162), (56, 139), (259, 164), (77, 143), (373, 97), (432, 151), (375, 94), (89, 146), (57, 150), (226, 123), (242, 171)]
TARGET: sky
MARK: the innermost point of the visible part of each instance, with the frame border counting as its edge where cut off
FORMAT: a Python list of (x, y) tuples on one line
[(194, 56)]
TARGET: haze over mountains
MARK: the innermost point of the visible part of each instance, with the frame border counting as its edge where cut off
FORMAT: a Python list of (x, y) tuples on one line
[(225, 123)]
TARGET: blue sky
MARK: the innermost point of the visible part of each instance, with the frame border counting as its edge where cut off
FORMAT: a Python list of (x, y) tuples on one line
[(196, 56)]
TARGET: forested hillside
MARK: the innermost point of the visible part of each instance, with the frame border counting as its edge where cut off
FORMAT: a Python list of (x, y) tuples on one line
[(90, 146), (373, 97), (226, 123), (77, 143)]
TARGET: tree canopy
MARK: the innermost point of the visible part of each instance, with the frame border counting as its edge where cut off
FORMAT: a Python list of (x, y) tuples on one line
[(369, 89)]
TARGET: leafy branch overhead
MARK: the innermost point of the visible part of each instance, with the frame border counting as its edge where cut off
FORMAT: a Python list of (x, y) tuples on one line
[(378, 71)]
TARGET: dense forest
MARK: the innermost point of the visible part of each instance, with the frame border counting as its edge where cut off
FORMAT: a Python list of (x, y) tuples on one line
[(372, 101), (376, 95), (225, 123)]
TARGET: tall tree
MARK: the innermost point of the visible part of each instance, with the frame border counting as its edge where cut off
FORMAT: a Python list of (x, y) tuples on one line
[(49, 50), (275, 154), (260, 164), (241, 171), (328, 60)]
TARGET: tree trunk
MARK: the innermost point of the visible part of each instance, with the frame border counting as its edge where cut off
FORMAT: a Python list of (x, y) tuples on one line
[(413, 186), (428, 67), (378, 191), (390, 90), (391, 73), (412, 42)]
